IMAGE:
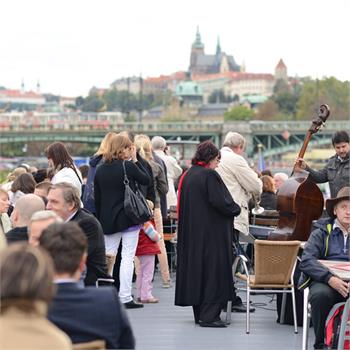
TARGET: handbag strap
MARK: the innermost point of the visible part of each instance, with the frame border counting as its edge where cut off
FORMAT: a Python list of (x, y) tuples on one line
[(76, 173), (126, 180)]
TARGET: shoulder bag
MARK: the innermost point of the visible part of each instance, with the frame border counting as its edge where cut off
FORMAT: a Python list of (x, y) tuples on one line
[(135, 204)]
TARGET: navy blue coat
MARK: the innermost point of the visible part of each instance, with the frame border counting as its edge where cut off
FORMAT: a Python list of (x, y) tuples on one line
[(87, 314), (322, 245)]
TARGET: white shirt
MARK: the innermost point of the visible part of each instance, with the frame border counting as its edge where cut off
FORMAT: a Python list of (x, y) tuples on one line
[(68, 175)]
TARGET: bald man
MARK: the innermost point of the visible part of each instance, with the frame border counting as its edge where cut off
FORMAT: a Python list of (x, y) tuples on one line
[(26, 206)]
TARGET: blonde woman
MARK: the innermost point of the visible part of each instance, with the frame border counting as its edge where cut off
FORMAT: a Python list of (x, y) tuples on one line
[(144, 147), (95, 161), (11, 177), (109, 203)]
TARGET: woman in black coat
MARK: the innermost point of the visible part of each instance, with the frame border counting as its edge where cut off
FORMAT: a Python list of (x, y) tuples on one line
[(206, 212), (109, 203)]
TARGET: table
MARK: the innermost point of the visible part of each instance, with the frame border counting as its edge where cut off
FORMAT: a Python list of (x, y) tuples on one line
[(340, 269)]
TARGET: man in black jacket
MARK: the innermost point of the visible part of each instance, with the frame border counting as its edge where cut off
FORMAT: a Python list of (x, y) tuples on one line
[(85, 314), (329, 241), (337, 170), (64, 200)]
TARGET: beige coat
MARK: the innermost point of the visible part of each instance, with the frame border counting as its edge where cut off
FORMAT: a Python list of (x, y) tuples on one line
[(19, 330), (174, 171), (5, 222), (5, 226), (242, 182)]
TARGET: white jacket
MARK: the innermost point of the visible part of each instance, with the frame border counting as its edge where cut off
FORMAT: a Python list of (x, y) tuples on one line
[(68, 175), (242, 182)]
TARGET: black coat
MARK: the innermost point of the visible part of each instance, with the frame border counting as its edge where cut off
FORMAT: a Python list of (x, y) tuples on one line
[(17, 234), (96, 259), (204, 248), (148, 191), (163, 202), (87, 314), (109, 193), (268, 200)]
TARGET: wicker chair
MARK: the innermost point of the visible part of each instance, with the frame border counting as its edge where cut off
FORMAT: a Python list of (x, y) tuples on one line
[(91, 345), (274, 268)]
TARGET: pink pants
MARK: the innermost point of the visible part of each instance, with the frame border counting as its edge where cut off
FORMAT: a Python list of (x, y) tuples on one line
[(144, 277), (163, 258)]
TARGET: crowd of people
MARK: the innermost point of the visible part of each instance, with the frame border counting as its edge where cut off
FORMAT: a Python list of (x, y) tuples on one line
[(64, 232)]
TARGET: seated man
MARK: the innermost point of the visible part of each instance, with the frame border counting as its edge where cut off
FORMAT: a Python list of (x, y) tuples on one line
[(25, 207), (85, 314), (64, 200), (329, 241)]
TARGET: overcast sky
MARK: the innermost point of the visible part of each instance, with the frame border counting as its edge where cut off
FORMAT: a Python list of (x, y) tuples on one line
[(72, 45)]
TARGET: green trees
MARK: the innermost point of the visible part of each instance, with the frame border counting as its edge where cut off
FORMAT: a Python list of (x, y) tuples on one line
[(301, 99), (124, 101), (92, 103), (330, 91), (239, 113)]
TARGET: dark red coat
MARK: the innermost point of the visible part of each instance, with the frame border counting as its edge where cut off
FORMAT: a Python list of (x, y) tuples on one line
[(146, 246)]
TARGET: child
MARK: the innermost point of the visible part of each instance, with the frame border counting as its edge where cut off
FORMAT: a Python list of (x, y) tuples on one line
[(146, 251)]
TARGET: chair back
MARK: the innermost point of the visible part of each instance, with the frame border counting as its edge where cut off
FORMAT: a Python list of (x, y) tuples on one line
[(90, 345), (266, 218), (274, 261)]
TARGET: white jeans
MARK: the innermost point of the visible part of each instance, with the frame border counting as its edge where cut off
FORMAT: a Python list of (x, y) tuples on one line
[(129, 245)]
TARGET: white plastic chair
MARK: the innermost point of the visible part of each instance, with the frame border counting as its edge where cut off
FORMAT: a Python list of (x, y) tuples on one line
[(306, 318)]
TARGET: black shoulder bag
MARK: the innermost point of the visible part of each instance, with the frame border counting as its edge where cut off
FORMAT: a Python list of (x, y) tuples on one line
[(135, 204)]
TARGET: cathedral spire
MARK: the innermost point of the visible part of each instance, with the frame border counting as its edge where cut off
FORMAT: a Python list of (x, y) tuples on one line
[(22, 86), (198, 42), (218, 47)]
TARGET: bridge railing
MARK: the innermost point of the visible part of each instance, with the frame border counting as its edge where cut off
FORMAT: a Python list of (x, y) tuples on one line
[(303, 126), (254, 126), (188, 127)]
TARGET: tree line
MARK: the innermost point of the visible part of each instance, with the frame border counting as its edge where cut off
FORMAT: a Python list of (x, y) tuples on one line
[(296, 100), (299, 101)]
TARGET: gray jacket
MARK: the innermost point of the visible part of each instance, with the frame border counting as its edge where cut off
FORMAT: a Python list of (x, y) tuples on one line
[(336, 172)]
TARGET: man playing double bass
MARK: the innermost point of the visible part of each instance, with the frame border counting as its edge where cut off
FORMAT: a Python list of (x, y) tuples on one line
[(337, 170)]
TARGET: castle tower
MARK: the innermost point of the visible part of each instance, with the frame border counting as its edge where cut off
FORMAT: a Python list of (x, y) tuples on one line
[(196, 50), (243, 67), (281, 71), (38, 87), (218, 47), (22, 87)]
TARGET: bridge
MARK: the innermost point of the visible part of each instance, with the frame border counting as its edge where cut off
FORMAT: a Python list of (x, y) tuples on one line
[(277, 137)]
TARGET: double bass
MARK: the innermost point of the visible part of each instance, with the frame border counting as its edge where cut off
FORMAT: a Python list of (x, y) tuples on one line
[(299, 199)]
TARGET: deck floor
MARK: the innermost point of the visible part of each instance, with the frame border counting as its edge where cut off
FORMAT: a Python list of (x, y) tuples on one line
[(166, 326)]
